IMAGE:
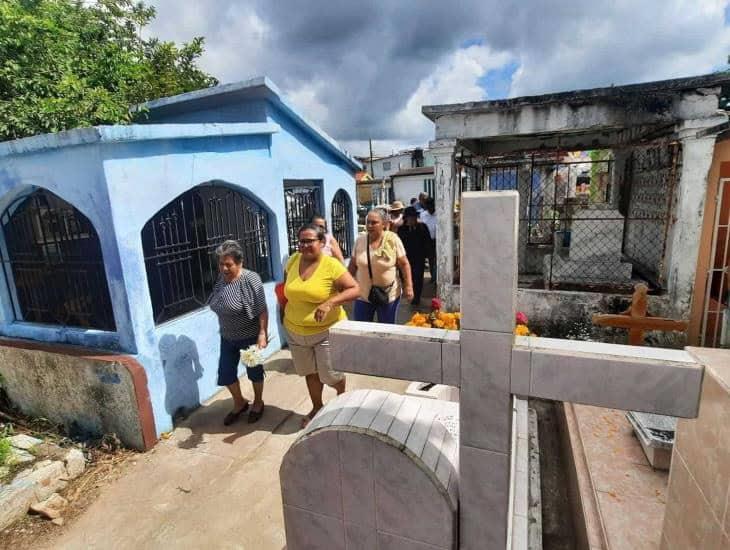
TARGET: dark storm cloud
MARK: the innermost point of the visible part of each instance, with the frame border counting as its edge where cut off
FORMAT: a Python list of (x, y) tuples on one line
[(353, 65)]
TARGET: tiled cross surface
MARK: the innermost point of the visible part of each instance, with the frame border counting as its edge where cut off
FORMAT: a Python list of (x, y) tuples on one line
[(489, 365)]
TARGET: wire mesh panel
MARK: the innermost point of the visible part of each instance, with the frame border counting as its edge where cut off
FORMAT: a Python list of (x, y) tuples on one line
[(179, 243), (342, 221), (53, 264), (302, 202)]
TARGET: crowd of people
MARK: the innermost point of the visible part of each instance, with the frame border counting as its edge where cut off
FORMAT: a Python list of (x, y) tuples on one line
[(387, 263)]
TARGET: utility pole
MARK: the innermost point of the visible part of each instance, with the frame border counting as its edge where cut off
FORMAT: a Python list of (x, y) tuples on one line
[(372, 174)]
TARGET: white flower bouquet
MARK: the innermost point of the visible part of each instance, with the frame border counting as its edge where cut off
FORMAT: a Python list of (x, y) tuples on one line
[(251, 356)]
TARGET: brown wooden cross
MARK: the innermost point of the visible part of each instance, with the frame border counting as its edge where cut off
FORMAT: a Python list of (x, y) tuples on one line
[(636, 320)]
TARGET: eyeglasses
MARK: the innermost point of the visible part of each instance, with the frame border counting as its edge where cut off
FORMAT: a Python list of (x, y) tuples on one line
[(307, 242)]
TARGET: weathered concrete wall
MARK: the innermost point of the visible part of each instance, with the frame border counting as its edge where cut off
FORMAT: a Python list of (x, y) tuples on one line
[(563, 314), (90, 394)]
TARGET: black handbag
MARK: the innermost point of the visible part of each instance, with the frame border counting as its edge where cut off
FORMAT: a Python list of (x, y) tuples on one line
[(378, 295)]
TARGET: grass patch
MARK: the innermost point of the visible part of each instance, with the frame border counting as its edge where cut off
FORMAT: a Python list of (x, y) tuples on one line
[(5, 450)]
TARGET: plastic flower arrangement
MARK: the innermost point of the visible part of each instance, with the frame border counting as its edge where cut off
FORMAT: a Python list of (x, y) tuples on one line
[(521, 328), (251, 356), (437, 318)]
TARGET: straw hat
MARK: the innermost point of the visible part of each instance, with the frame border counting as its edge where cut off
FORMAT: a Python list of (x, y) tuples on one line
[(397, 205)]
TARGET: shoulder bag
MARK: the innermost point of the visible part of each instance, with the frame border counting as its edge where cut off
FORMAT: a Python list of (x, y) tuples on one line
[(378, 295)]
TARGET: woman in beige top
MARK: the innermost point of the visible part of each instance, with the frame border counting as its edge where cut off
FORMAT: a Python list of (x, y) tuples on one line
[(387, 258)]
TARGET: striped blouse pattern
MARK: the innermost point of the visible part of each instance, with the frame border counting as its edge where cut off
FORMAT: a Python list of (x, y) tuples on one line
[(238, 305)]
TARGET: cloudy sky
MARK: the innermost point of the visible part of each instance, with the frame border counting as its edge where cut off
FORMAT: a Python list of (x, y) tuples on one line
[(364, 68)]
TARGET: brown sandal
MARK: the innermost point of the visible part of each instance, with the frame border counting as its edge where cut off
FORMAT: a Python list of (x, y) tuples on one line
[(255, 416), (232, 416)]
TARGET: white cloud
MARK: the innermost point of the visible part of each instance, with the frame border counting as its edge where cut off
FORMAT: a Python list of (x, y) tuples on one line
[(454, 80)]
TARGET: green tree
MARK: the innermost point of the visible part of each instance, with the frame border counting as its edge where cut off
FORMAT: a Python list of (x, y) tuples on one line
[(71, 63)]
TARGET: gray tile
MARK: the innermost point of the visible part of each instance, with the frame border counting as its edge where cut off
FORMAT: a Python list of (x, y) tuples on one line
[(392, 356), (308, 531), (520, 375), (483, 498), (485, 399), (317, 453), (638, 384), (451, 363), (358, 493), (489, 270), (358, 537), (386, 541), (410, 505)]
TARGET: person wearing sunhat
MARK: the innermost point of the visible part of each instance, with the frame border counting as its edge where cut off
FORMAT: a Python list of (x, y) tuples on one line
[(396, 215)]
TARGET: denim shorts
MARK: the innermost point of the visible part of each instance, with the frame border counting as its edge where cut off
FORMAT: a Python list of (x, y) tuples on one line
[(230, 357)]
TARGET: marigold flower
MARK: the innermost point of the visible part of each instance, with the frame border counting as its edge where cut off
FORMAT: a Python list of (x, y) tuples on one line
[(438, 323), (522, 330)]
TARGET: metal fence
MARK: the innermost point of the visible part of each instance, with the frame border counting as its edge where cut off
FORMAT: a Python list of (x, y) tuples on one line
[(342, 221), (53, 264), (584, 226), (179, 243), (302, 201)]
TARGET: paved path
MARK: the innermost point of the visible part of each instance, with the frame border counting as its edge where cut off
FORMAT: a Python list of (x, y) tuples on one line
[(208, 486)]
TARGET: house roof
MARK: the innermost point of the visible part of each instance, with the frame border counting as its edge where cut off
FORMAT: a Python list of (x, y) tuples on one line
[(413, 171), (239, 92), (577, 97), (131, 132)]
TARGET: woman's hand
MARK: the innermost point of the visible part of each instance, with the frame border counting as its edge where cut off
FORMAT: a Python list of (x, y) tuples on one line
[(322, 310), (262, 341), (409, 293)]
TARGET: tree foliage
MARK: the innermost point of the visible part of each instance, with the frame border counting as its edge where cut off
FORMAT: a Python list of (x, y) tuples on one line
[(71, 63)]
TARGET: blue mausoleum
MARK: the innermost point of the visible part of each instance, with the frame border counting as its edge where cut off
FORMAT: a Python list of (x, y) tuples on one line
[(107, 233)]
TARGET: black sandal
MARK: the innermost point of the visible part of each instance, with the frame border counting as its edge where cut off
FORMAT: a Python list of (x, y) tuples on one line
[(232, 416), (255, 416)]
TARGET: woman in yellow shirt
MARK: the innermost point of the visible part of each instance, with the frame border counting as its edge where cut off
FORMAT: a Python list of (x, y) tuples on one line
[(316, 286)]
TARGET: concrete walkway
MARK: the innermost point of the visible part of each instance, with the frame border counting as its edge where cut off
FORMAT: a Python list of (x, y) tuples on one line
[(208, 486)]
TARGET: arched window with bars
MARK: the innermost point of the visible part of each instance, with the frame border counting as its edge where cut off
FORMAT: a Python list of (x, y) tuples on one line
[(179, 242), (342, 221), (53, 264)]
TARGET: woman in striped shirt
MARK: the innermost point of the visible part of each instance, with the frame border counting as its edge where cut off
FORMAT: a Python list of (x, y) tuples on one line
[(239, 301)]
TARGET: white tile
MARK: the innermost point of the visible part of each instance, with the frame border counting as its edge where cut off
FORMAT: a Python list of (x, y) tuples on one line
[(369, 408), (485, 398), (358, 493), (409, 504), (404, 419), (483, 498), (308, 531), (408, 358), (520, 375), (519, 533), (316, 453), (451, 364), (421, 427), (637, 384), (353, 405), (521, 482), (432, 448), (489, 261), (384, 419), (602, 348)]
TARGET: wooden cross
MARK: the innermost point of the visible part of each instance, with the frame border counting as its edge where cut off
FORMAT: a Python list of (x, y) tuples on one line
[(636, 320)]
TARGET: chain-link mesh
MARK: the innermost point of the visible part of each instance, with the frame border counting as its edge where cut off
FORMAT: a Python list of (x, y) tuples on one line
[(588, 221)]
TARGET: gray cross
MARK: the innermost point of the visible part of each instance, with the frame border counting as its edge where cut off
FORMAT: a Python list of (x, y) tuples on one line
[(490, 365)]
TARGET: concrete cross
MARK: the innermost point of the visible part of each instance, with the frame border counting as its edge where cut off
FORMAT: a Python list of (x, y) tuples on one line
[(490, 365)]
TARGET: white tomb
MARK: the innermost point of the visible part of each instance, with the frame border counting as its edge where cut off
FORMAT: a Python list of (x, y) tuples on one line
[(489, 365)]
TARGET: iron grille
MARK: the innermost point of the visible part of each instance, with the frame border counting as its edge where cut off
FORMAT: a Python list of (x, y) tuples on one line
[(53, 264), (302, 202), (179, 243), (342, 221)]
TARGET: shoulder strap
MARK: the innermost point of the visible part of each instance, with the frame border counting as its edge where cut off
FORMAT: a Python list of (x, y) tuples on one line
[(367, 249)]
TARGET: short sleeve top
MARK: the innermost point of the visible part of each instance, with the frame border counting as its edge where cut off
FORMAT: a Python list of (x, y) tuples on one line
[(303, 297), (383, 262), (238, 305)]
